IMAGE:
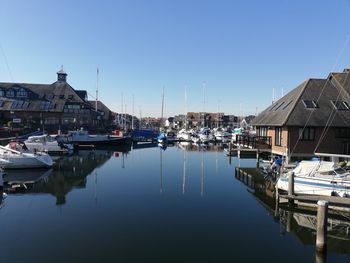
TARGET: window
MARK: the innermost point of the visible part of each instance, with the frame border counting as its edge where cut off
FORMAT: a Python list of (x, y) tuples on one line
[(278, 136), (287, 105), (22, 93), (61, 97), (51, 121), (310, 104), (10, 93), (72, 106), (273, 106), (46, 105), (346, 148), (263, 131), (2, 93), (1, 103), (50, 96), (25, 105), (340, 105), (279, 106), (342, 133), (308, 134), (17, 104)]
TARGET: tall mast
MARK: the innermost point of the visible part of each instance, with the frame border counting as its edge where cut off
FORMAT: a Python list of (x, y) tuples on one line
[(185, 107), (122, 111), (96, 90), (161, 120), (132, 116), (204, 104)]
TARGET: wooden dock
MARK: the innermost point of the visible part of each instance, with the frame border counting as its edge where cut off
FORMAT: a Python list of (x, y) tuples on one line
[(335, 203)]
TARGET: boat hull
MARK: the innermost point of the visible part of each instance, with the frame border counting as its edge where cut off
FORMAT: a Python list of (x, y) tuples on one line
[(316, 186), (113, 141)]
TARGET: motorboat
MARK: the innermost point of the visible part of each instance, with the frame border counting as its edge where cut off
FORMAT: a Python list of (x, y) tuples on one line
[(48, 144), (16, 157), (82, 138), (184, 135), (317, 178)]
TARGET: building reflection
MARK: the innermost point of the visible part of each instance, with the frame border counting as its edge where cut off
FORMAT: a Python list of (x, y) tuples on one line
[(69, 173), (299, 222)]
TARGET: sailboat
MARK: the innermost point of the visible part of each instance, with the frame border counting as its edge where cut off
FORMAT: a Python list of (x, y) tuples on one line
[(18, 158), (317, 178)]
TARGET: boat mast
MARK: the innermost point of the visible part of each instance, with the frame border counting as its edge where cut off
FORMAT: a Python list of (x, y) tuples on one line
[(96, 90), (186, 108), (161, 120), (204, 104), (132, 116)]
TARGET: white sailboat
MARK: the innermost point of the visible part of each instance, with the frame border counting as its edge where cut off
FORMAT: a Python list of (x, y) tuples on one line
[(18, 159), (48, 144), (317, 178)]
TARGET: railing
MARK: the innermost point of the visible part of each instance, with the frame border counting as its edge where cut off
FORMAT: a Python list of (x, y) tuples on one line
[(255, 142)]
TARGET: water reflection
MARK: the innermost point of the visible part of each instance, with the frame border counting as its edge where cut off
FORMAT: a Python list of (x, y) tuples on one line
[(68, 173), (301, 223), (195, 147)]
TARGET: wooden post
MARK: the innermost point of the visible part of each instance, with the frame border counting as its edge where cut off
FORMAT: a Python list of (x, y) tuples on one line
[(257, 158), (322, 217), (291, 186), (291, 183), (321, 256)]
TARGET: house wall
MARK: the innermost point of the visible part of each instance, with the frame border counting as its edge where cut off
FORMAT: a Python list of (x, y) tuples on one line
[(280, 150), (52, 121), (305, 149)]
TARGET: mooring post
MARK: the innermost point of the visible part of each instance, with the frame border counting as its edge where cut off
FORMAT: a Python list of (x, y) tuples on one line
[(322, 217), (291, 186), (321, 256)]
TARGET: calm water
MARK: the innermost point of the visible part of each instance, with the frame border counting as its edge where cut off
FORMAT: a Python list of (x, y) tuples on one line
[(154, 205)]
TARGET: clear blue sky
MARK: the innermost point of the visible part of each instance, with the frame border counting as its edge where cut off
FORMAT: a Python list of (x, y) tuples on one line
[(241, 50)]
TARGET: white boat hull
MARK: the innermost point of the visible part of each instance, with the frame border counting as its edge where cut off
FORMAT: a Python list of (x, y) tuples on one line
[(19, 160), (316, 185)]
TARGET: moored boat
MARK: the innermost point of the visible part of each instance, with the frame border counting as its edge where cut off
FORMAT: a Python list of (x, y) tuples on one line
[(82, 138), (19, 159), (317, 178), (48, 144)]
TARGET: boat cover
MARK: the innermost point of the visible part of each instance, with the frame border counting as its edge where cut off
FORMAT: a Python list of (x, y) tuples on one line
[(308, 167)]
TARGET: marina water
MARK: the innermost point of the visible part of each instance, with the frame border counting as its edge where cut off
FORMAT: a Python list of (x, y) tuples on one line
[(184, 203)]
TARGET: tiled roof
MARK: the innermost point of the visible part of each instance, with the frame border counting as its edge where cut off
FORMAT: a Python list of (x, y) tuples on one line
[(311, 103), (58, 93)]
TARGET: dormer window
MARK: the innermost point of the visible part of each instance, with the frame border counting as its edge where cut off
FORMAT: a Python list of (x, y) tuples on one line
[(340, 105), (22, 93), (310, 104), (10, 93)]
